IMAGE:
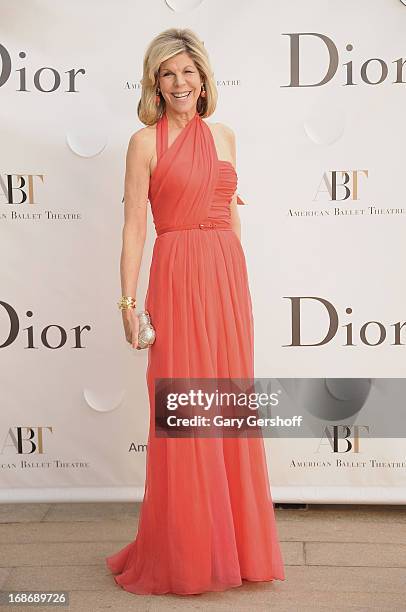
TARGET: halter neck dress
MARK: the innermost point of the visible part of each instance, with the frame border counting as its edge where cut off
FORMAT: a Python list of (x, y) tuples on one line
[(207, 519)]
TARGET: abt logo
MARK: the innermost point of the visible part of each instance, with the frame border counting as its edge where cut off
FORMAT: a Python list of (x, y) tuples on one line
[(343, 438), (19, 188), (26, 440), (341, 185)]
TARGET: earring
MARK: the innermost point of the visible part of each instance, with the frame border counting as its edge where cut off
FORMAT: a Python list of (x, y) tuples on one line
[(157, 97), (203, 91)]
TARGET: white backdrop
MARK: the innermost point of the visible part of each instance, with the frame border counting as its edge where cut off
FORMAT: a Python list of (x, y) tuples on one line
[(74, 410)]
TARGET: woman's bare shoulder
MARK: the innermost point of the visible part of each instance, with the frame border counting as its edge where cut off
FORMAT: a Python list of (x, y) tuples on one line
[(144, 136), (225, 140), (222, 127), (142, 143)]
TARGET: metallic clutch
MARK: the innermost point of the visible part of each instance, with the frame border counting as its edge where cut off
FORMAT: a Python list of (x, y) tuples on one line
[(146, 333)]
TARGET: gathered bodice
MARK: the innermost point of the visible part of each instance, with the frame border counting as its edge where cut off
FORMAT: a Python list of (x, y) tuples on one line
[(189, 184)]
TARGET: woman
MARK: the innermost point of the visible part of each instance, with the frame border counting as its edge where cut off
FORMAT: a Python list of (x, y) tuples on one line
[(207, 519)]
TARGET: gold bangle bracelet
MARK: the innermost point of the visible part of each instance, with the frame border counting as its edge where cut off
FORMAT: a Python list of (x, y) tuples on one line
[(126, 301)]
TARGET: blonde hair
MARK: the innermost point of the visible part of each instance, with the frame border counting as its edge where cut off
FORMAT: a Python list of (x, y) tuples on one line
[(164, 46)]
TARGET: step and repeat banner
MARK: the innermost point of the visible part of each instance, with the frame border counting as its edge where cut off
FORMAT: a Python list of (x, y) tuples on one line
[(315, 94)]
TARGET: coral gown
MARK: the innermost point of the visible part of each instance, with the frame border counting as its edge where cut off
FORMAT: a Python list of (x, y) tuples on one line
[(207, 520)]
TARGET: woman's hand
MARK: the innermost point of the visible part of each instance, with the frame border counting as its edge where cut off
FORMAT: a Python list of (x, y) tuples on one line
[(131, 326)]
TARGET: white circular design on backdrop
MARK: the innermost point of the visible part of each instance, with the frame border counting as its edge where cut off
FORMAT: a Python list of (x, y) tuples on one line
[(86, 135), (349, 389), (103, 399), (183, 5), (324, 125), (86, 140)]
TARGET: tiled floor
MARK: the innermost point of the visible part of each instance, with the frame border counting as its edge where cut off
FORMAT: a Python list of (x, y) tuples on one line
[(338, 558)]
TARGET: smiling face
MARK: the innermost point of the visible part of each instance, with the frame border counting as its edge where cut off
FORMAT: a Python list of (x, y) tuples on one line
[(180, 83)]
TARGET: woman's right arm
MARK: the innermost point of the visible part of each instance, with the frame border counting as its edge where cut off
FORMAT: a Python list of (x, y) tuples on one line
[(137, 174)]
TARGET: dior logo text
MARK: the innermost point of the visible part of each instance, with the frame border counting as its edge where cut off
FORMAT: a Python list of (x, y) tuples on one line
[(371, 333), (372, 71), (45, 79), (52, 336)]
